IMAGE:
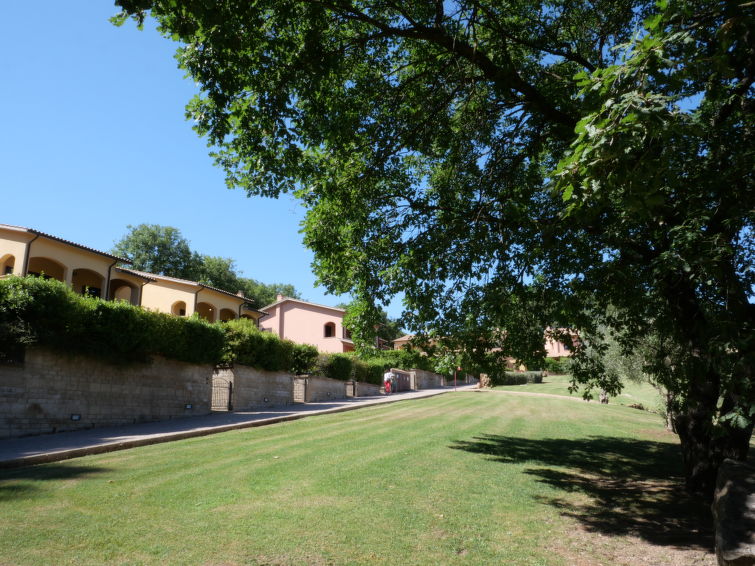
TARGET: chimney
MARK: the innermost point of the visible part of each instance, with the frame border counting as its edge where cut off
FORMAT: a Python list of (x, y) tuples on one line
[(279, 297), (240, 293)]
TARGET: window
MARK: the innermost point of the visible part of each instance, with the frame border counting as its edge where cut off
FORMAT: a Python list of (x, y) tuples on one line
[(330, 330)]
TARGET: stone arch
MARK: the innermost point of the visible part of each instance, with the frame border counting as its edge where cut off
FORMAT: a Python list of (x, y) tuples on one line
[(207, 311), (47, 268), (227, 314), (88, 282), (7, 264), (178, 308)]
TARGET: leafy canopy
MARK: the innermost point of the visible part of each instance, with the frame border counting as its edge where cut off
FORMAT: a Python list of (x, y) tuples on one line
[(164, 251), (509, 166)]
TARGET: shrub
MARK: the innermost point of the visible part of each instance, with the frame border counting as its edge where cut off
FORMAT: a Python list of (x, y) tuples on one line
[(304, 358), (335, 366), (559, 367), (47, 312), (516, 377), (246, 344)]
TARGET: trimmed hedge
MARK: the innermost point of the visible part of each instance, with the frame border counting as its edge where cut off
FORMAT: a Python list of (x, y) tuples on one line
[(246, 344), (554, 366), (47, 312), (516, 378), (334, 366)]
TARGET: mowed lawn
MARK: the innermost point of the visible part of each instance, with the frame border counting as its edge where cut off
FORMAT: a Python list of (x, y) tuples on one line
[(463, 478), (632, 393)]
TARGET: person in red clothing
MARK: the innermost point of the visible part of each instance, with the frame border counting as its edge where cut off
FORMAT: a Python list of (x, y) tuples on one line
[(387, 381)]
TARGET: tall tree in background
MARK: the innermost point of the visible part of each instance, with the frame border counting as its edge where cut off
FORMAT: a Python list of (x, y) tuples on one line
[(164, 251), (158, 249), (509, 166)]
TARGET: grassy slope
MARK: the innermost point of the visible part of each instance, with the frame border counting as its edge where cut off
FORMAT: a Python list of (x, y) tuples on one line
[(464, 478), (632, 393)]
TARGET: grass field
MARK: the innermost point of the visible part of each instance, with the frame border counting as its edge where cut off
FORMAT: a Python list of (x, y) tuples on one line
[(469, 478), (632, 393)]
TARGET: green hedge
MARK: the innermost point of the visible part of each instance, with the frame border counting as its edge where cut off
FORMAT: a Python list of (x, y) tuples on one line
[(562, 366), (248, 345), (516, 377), (334, 366), (49, 313)]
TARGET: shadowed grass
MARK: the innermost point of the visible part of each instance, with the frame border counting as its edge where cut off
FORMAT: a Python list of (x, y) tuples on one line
[(463, 478)]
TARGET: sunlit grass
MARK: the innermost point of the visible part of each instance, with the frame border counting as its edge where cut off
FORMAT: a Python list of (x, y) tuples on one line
[(463, 478), (632, 393)]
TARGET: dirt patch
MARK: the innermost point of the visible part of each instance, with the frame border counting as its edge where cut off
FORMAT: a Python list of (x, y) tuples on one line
[(580, 547), (635, 523)]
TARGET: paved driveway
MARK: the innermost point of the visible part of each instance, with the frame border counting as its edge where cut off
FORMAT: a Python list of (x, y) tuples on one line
[(64, 445)]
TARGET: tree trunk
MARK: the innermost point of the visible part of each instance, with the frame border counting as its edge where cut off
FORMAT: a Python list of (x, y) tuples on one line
[(703, 449)]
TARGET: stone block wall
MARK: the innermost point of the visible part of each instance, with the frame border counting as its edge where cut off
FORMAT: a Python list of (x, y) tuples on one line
[(426, 379), (364, 389), (49, 390), (256, 388), (324, 389)]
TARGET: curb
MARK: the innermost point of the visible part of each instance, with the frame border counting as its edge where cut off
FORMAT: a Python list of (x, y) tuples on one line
[(170, 437)]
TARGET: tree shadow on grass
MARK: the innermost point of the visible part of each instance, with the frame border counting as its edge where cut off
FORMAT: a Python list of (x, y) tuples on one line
[(24, 482), (633, 487)]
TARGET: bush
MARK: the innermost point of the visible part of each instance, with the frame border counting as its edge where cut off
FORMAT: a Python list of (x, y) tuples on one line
[(47, 312), (334, 366), (558, 367), (402, 359), (516, 377), (304, 358), (369, 371), (246, 344)]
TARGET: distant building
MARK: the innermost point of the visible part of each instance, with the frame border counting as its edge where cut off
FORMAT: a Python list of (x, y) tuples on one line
[(25, 251), (307, 323)]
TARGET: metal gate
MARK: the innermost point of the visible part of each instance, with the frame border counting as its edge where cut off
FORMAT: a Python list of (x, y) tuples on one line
[(222, 394)]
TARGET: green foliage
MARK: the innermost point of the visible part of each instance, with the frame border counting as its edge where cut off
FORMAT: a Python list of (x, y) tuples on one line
[(246, 344), (554, 366), (47, 312), (509, 167), (304, 358), (334, 366), (369, 325), (403, 359), (158, 249), (164, 251), (516, 377)]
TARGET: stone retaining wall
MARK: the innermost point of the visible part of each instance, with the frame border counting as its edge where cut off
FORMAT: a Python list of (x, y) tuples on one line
[(426, 379), (364, 389), (323, 389), (256, 388), (50, 392)]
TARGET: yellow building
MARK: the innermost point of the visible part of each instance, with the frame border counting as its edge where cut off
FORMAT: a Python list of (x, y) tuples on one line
[(24, 251)]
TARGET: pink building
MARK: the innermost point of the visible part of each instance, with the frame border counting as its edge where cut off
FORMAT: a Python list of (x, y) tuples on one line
[(556, 349), (308, 323)]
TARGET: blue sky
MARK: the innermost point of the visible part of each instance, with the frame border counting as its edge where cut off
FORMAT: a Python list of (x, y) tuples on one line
[(94, 139)]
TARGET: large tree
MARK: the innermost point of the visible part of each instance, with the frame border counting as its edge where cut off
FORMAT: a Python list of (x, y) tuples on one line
[(158, 249), (509, 166), (163, 250)]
